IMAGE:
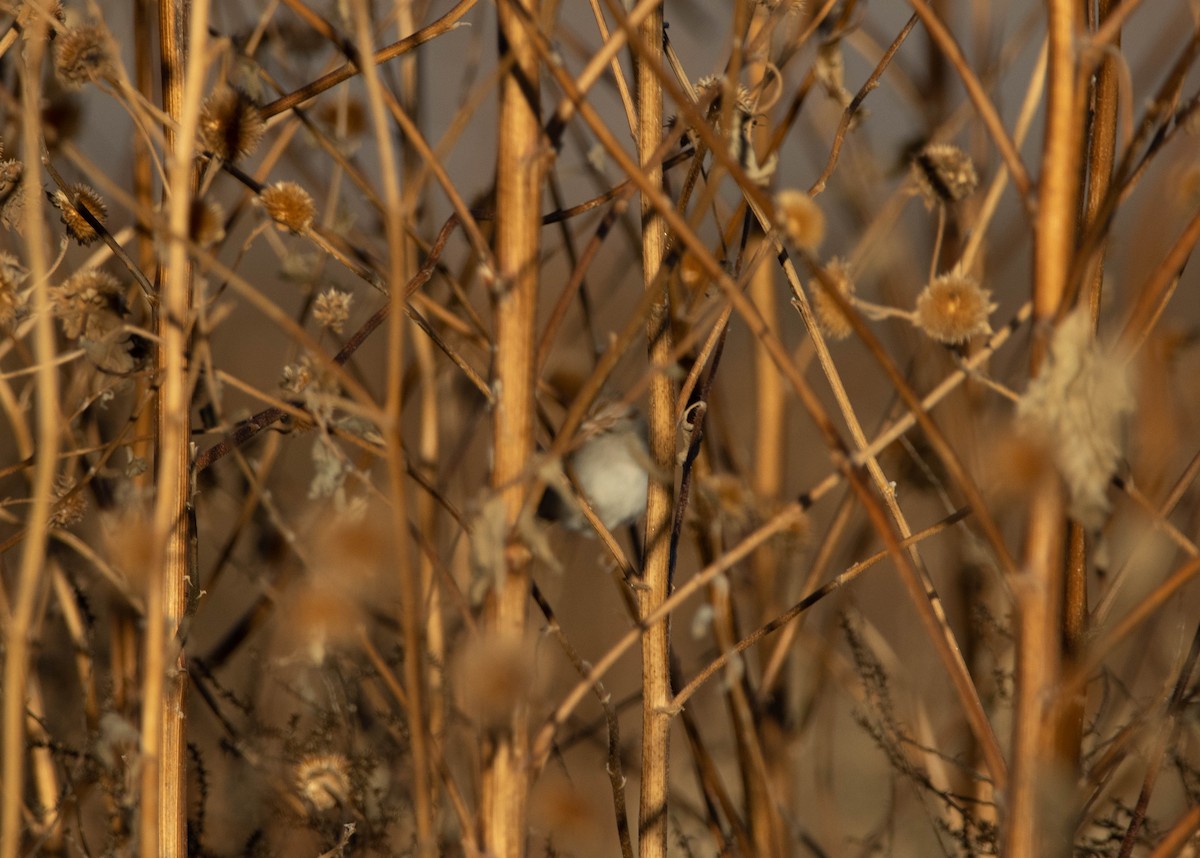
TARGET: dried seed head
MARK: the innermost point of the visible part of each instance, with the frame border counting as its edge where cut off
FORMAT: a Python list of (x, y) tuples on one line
[(11, 300), (70, 507), (10, 177), (323, 781), (953, 308), (573, 819), (88, 304), (1077, 405), (332, 309), (10, 193), (289, 205), (206, 222), (830, 318), (944, 173), (83, 55), (801, 219), (347, 120), (80, 195), (230, 124), (496, 675), (713, 85)]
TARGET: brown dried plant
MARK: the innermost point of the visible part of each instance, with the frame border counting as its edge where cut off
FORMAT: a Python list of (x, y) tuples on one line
[(308, 314)]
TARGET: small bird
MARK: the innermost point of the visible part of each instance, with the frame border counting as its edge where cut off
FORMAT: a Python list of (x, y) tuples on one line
[(611, 468)]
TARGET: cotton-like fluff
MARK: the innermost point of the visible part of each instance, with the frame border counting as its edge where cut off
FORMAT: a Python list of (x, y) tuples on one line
[(610, 468), (1077, 405)]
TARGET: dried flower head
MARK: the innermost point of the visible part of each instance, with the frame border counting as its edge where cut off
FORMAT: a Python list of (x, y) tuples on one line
[(10, 192), (944, 173), (11, 276), (573, 819), (289, 205), (496, 675), (83, 55), (953, 308), (332, 309), (801, 219), (69, 507), (712, 86), (347, 118), (88, 304), (231, 126), (206, 222), (830, 318), (69, 202), (1077, 405), (323, 781)]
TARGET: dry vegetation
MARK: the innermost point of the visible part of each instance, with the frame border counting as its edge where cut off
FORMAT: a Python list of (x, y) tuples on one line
[(291, 343)]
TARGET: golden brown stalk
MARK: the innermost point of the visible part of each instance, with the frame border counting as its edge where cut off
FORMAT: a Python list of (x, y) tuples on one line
[(410, 588), (656, 669), (519, 167), (163, 827), (18, 628)]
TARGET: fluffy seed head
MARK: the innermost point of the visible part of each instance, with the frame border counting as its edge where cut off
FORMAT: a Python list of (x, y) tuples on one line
[(323, 781), (496, 675), (1078, 405), (953, 308), (801, 219), (944, 173), (77, 226), (332, 309), (230, 124), (83, 55), (830, 318), (289, 205)]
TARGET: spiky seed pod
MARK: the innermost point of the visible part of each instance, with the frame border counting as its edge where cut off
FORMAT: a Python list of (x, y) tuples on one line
[(83, 55), (289, 205), (801, 219), (231, 126), (81, 196), (830, 318), (953, 308), (944, 173), (87, 304)]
